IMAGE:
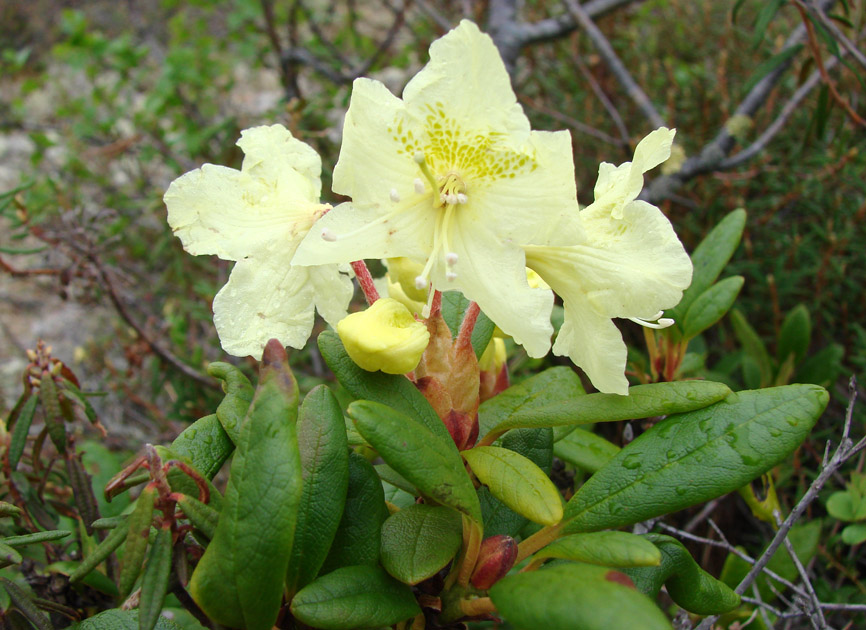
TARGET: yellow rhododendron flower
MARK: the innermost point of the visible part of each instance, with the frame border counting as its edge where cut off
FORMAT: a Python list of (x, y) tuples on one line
[(384, 337), (630, 265), (452, 177), (257, 216)]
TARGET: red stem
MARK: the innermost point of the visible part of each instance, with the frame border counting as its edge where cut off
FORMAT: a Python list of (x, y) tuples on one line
[(436, 304), (464, 337), (365, 280)]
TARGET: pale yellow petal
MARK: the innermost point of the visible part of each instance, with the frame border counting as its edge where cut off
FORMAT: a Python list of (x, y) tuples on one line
[(274, 156)]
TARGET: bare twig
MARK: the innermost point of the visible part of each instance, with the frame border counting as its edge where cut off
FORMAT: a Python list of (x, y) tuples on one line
[(819, 61), (837, 34), (608, 105), (815, 614), (613, 62), (575, 125)]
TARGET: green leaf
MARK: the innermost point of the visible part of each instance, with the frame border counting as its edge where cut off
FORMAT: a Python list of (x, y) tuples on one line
[(553, 386), (205, 444), (697, 456), (454, 306), (325, 467), (753, 347), (354, 597), (498, 518), (111, 542), (689, 586), (239, 579), (8, 555), (795, 335), (419, 540), (358, 535), (766, 67), (94, 579), (534, 444), (22, 428), (391, 476), (573, 596), (517, 482), (239, 394), (136, 540), (393, 390), (434, 468), (710, 306), (36, 537), (710, 258), (22, 601), (116, 619), (643, 401), (823, 367), (610, 549), (585, 450), (203, 517), (843, 506), (154, 581), (854, 534)]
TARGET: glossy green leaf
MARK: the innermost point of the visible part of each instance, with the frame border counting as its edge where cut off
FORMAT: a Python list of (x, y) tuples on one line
[(419, 540), (136, 540), (358, 536), (393, 390), (553, 386), (687, 584), (239, 580), (111, 542), (697, 456), (434, 468), (325, 467), (585, 450), (823, 367), (572, 596), (154, 581), (499, 518), (753, 347), (239, 394), (610, 549), (795, 334), (8, 555), (21, 430), (116, 619), (643, 401), (454, 306), (205, 444), (354, 597), (710, 258), (710, 306), (517, 482)]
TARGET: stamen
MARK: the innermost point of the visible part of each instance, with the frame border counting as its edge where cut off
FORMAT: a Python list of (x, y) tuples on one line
[(395, 196), (451, 259), (425, 169), (664, 322), (419, 186), (462, 198), (450, 276), (328, 235), (420, 283)]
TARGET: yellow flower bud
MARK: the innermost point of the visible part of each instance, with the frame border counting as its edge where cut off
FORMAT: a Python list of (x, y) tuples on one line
[(494, 356), (403, 272), (384, 337), (397, 291)]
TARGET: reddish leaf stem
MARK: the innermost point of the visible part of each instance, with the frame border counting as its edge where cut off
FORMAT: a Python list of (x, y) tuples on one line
[(365, 280)]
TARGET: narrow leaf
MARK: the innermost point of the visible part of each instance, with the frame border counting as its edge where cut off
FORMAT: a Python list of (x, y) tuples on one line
[(205, 444), (239, 580), (154, 582), (585, 450), (111, 542), (239, 394), (435, 469), (21, 430), (136, 540), (517, 482), (37, 537), (325, 468), (697, 456), (574, 597), (610, 549), (795, 334), (753, 347), (354, 597), (203, 517), (688, 585), (710, 306), (25, 605)]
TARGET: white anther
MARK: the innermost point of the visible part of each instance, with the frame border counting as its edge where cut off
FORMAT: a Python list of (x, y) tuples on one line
[(462, 198), (450, 276), (664, 322), (419, 185), (420, 282), (419, 157), (443, 198), (328, 235), (451, 259), (395, 196)]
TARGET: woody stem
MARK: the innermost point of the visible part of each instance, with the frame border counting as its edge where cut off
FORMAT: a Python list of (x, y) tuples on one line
[(365, 280)]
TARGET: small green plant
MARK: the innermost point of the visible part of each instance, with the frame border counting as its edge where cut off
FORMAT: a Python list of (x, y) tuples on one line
[(850, 506)]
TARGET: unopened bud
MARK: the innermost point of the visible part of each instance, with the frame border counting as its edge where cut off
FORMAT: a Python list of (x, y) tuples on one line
[(495, 559), (385, 337)]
